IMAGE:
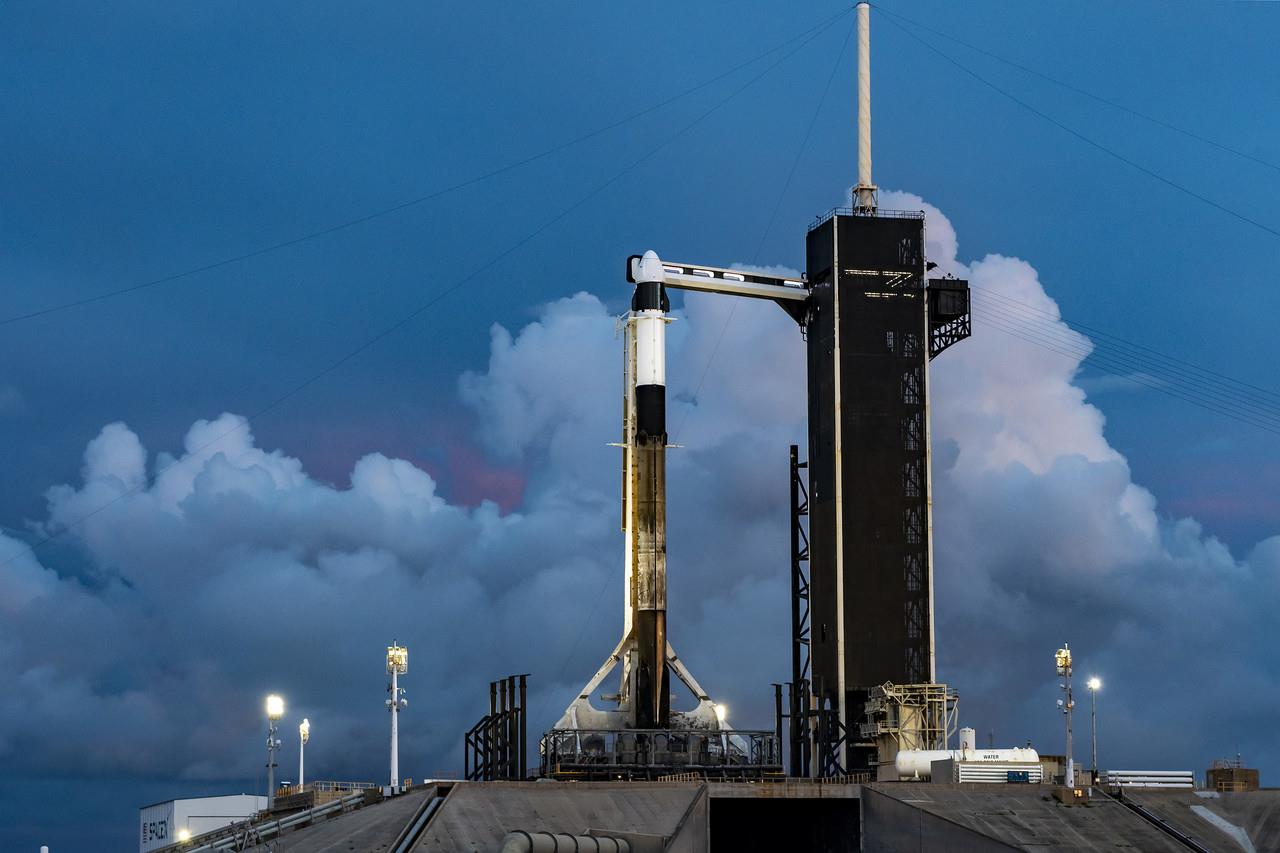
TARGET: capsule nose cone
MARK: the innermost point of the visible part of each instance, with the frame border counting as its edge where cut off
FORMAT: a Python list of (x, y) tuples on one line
[(650, 268)]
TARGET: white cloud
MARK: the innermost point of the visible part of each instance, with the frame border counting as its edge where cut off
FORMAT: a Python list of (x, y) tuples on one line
[(235, 573)]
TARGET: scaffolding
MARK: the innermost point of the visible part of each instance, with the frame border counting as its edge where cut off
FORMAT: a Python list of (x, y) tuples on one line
[(909, 716)]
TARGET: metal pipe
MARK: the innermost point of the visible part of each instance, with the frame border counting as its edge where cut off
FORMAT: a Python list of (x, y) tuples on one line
[(520, 841), (524, 729), (513, 747), (490, 733), (777, 716)]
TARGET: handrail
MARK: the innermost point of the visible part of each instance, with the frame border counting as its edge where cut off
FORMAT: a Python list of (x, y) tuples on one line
[(268, 829), (1159, 823), (878, 213)]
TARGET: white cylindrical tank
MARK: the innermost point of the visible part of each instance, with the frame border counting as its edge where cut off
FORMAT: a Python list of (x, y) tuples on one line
[(918, 763), (968, 739)]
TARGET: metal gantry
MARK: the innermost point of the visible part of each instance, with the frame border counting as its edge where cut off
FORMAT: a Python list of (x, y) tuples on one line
[(798, 690)]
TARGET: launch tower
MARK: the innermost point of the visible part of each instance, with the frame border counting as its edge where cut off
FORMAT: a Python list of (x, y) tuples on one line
[(864, 682)]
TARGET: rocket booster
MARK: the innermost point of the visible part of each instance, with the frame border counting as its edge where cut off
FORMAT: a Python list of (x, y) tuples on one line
[(646, 444)]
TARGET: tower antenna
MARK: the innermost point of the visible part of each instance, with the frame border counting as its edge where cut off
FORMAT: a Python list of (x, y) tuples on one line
[(864, 194)]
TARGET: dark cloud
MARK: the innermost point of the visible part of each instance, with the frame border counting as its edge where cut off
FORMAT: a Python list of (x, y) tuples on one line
[(236, 572)]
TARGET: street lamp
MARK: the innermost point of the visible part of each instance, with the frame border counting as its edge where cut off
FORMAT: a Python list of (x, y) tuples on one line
[(397, 665), (304, 735), (1095, 684), (275, 710), (1062, 660)]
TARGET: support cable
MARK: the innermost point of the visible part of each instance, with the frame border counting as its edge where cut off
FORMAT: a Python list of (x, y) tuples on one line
[(1066, 128), (546, 225), (768, 227), (1208, 390), (1095, 333), (413, 202), (755, 258), (1021, 332), (1084, 92)]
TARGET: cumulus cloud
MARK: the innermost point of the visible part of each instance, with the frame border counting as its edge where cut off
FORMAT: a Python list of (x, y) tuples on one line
[(223, 570)]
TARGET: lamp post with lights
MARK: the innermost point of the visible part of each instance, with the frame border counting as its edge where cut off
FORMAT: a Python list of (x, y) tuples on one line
[(1095, 684), (275, 710), (304, 735), (1062, 659), (397, 665)]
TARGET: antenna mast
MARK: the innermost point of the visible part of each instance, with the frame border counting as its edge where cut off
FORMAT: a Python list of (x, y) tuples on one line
[(864, 194)]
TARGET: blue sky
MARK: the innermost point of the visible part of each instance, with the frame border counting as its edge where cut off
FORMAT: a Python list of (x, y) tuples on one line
[(147, 140)]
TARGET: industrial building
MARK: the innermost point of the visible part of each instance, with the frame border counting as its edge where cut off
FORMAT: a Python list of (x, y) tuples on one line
[(175, 821)]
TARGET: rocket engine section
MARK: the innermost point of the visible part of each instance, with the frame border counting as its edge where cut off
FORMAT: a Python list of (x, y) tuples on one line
[(645, 420)]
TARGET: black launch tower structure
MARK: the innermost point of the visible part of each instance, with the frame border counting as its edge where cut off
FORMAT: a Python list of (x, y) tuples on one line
[(873, 322)]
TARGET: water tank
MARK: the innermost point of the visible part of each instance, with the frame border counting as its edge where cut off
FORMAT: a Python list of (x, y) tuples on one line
[(918, 763), (968, 739)]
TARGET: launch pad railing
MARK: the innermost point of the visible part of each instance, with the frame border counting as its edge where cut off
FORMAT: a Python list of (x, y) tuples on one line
[(650, 753), (879, 213)]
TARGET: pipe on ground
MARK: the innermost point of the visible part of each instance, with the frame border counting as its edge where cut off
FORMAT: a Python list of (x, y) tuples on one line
[(520, 841)]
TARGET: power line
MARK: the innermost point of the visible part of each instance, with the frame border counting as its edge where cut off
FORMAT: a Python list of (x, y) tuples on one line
[(1095, 333), (768, 227), (1136, 372), (755, 258), (1133, 164), (1084, 92), (1022, 334), (667, 139), (1128, 370), (413, 202)]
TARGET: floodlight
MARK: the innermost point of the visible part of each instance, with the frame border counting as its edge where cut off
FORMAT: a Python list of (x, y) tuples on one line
[(1095, 683), (722, 711), (397, 659), (184, 835), (275, 707), (304, 730)]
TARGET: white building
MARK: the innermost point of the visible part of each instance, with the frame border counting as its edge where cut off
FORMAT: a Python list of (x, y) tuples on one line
[(167, 823)]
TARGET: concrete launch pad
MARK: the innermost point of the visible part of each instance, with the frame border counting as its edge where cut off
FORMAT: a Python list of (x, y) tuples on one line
[(707, 817)]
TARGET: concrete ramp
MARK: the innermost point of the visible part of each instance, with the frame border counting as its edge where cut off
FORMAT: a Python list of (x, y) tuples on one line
[(1255, 813), (476, 815), (369, 829), (1025, 817)]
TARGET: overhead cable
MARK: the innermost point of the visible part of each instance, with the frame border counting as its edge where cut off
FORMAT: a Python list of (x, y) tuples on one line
[(413, 202), (1084, 92), (475, 272), (777, 205), (1066, 128)]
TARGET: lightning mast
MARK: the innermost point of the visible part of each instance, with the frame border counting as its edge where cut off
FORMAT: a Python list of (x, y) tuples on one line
[(397, 665)]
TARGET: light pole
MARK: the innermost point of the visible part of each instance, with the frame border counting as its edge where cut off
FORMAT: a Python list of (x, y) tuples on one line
[(1095, 684), (275, 710), (397, 665), (304, 735), (1062, 659)]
